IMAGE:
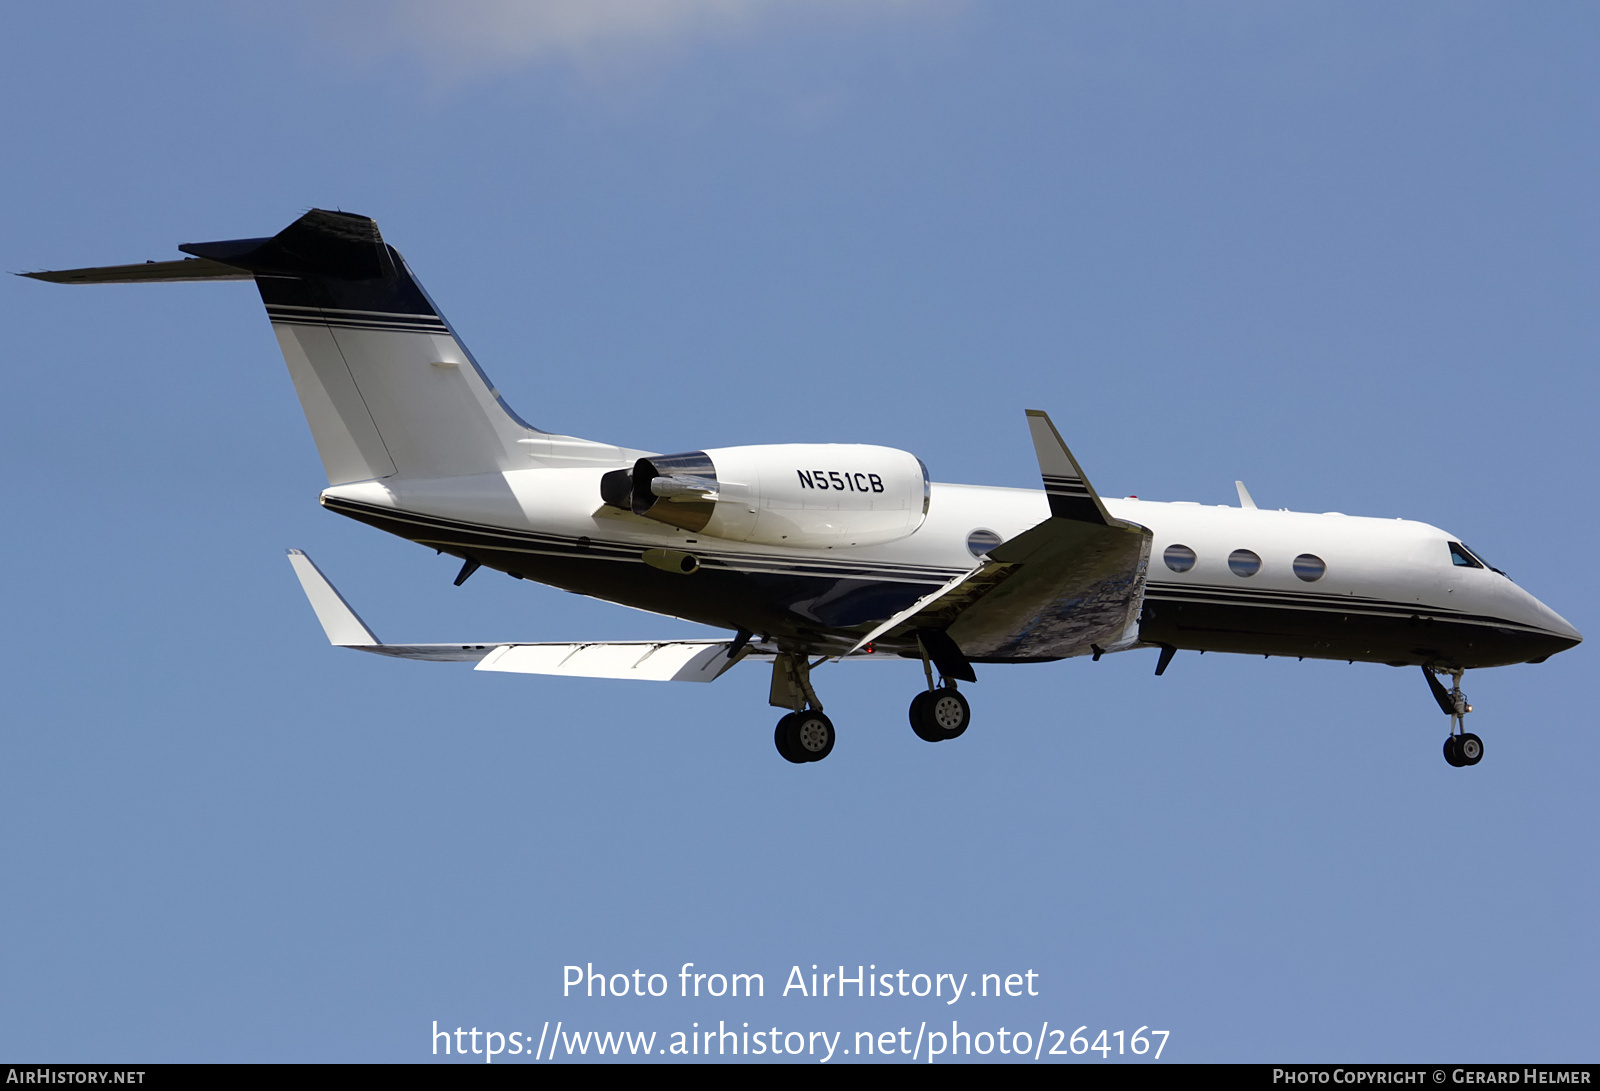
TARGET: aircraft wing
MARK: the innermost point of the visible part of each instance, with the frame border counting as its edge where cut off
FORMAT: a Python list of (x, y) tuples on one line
[(1067, 586), (643, 660)]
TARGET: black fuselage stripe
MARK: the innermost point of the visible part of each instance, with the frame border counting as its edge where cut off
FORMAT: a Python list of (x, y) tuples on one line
[(1335, 605), (349, 316), (528, 541), (1290, 599), (348, 312), (373, 326), (322, 315), (1331, 602)]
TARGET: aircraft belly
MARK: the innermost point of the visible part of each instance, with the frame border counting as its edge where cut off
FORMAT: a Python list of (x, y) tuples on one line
[(1367, 633)]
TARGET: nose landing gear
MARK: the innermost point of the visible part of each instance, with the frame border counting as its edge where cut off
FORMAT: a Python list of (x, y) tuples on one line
[(1461, 747)]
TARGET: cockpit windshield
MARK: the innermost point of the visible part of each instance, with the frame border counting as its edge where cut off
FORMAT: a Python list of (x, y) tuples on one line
[(1462, 557)]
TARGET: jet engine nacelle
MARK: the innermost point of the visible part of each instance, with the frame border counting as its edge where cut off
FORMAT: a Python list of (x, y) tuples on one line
[(794, 494)]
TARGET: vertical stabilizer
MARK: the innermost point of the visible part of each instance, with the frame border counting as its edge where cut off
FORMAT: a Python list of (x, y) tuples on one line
[(387, 387)]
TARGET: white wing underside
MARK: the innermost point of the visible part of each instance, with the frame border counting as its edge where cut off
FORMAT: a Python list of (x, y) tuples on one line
[(648, 661), (642, 660)]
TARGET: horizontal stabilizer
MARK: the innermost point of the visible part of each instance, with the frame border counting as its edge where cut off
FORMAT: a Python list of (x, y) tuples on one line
[(147, 272), (339, 245)]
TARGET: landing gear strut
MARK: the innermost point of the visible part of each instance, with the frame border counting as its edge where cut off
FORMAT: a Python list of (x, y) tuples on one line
[(938, 713), (1461, 747)]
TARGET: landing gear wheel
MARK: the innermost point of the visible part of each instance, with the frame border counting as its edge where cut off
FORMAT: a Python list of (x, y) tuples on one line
[(949, 713), (1452, 752), (921, 722), (1469, 748), (940, 714), (810, 736), (781, 739)]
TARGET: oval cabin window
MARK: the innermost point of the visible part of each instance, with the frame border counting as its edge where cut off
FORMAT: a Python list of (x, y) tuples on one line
[(1242, 562), (979, 542), (1179, 558), (1309, 567)]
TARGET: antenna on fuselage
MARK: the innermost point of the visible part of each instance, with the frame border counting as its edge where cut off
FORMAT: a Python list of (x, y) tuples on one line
[(1244, 495)]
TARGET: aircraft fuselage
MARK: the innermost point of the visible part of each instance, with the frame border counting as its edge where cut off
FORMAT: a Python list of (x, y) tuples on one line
[(1375, 590)]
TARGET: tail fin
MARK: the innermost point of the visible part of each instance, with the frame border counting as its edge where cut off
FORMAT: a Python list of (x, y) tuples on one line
[(387, 387)]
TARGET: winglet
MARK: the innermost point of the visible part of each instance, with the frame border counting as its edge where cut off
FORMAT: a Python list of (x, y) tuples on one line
[(1245, 499), (343, 627), (1071, 495)]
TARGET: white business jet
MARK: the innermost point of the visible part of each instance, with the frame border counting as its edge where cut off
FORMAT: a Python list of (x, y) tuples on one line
[(813, 553)]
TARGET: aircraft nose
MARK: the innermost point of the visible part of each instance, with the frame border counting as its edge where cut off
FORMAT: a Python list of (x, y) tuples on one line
[(1566, 632), (1557, 629)]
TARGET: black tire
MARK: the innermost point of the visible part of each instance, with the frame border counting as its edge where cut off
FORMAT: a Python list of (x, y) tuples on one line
[(781, 739), (948, 713), (921, 721), (810, 735), (1469, 748), (1451, 754)]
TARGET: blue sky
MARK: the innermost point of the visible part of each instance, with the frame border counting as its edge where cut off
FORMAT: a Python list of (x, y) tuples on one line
[(1346, 252)]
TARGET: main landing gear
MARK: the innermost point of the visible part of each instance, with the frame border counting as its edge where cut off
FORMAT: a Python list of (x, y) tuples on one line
[(938, 713), (1461, 747), (804, 734)]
